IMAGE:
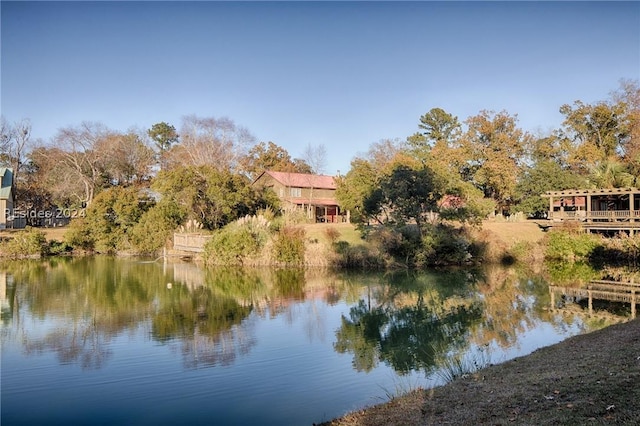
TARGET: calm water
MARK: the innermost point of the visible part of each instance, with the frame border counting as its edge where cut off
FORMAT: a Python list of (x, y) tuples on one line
[(112, 341)]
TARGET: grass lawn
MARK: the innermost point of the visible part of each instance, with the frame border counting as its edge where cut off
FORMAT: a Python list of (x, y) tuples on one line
[(347, 231), (50, 233)]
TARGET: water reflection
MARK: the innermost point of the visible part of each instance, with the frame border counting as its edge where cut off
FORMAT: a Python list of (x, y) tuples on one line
[(409, 321), (203, 314)]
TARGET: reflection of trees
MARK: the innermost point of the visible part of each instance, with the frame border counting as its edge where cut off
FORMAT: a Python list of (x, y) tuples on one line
[(207, 325), (410, 323), (206, 312), (83, 344), (93, 299)]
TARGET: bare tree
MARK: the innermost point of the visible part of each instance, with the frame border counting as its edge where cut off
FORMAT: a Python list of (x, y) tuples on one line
[(218, 142), (128, 159), (6, 136), (316, 157), (83, 151), (14, 143)]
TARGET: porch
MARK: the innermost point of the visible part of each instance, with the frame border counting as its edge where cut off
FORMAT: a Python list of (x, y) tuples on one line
[(602, 210)]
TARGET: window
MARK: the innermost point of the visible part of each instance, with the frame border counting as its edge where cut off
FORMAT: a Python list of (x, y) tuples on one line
[(296, 192)]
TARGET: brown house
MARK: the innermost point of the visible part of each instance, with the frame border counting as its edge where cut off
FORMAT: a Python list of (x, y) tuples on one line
[(315, 194)]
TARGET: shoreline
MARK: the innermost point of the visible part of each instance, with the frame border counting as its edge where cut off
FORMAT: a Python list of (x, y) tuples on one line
[(571, 382)]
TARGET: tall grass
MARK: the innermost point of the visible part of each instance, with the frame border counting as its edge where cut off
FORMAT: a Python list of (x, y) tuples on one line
[(456, 367)]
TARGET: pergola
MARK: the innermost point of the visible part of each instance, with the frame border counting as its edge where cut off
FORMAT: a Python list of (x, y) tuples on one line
[(594, 205)]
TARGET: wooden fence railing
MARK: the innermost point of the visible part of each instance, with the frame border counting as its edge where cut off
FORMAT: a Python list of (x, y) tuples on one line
[(190, 242)]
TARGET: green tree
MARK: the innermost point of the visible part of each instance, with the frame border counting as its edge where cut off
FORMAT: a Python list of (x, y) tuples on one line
[(409, 195), (164, 136), (437, 125), (610, 174), (358, 187), (598, 132), (109, 221), (543, 176), (155, 226), (270, 156), (495, 148), (213, 197)]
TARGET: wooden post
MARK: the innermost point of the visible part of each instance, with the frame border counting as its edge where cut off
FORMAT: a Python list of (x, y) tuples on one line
[(631, 211), (590, 302), (550, 207), (633, 304), (588, 207)]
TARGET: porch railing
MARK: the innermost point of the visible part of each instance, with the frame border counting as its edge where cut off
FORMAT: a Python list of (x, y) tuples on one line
[(599, 215)]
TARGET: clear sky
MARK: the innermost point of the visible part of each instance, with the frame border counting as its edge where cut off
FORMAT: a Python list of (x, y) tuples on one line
[(342, 74)]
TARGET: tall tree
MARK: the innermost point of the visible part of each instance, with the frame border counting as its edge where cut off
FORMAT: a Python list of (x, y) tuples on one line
[(81, 150), (629, 95), (316, 158), (598, 132), (495, 147), (213, 197), (164, 136), (437, 125), (129, 160), (270, 156), (15, 141), (211, 141)]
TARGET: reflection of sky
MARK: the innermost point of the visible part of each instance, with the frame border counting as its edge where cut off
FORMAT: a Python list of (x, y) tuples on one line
[(290, 375)]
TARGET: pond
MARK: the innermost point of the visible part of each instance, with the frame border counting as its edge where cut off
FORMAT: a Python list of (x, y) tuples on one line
[(121, 341)]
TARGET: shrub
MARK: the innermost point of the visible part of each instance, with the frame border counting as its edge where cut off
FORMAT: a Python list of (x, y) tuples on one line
[(443, 245), (400, 244), (238, 242), (288, 246), (79, 235), (27, 243), (564, 245), (109, 220), (150, 234), (358, 256), (57, 247)]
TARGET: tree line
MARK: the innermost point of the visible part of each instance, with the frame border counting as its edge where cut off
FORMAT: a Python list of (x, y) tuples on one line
[(138, 185), (488, 164)]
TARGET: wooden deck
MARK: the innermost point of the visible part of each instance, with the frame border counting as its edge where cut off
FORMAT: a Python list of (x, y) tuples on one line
[(193, 243), (614, 291)]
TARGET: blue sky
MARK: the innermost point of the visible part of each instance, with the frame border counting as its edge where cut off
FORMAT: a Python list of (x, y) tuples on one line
[(340, 74)]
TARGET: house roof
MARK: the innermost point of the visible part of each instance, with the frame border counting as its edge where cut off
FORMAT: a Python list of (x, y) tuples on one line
[(302, 180), (599, 191), (6, 182)]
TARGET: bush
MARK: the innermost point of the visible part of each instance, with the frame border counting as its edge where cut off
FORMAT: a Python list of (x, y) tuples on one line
[(239, 242), (151, 233), (57, 248), (443, 245), (109, 221), (401, 245), (27, 243), (288, 246), (567, 245), (358, 256), (79, 235)]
